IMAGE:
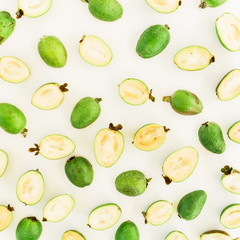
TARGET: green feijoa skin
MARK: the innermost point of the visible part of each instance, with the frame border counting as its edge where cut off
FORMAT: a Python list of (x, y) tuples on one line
[(191, 205), (211, 137), (211, 3), (73, 235), (3, 162), (12, 119), (7, 25), (5, 216), (105, 10), (79, 171), (85, 112), (164, 6), (176, 235), (131, 183), (234, 132), (29, 228), (153, 41), (52, 51), (184, 102), (230, 216), (215, 234), (127, 230)]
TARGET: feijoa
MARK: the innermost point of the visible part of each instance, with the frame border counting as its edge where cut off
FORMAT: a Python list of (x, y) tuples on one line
[(176, 235), (230, 216), (211, 3), (5, 216), (3, 162), (216, 235), (234, 132), (73, 235), (163, 6), (127, 230), (7, 25)]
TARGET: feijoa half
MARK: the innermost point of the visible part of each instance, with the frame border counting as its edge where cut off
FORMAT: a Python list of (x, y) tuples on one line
[(127, 230), (179, 165), (134, 92), (109, 145), (193, 58), (176, 235), (216, 235), (211, 3), (234, 132), (73, 235), (5, 216), (163, 6), (230, 216), (104, 216), (158, 213), (54, 147), (3, 162)]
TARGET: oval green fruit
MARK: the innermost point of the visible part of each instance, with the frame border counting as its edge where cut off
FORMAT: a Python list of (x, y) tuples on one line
[(184, 102), (29, 228), (191, 205), (153, 41), (216, 235), (211, 137), (211, 3), (127, 230), (3, 162), (234, 132), (7, 25), (230, 216), (163, 6), (52, 51), (5, 216), (73, 235), (85, 112), (176, 235)]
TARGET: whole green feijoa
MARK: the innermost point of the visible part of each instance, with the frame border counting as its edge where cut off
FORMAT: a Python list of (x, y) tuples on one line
[(79, 171), (211, 3), (184, 102), (12, 119), (52, 51), (29, 228), (7, 25), (153, 41), (211, 137), (131, 183), (127, 230), (85, 112), (191, 205)]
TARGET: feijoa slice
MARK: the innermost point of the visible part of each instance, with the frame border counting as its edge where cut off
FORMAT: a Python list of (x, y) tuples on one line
[(49, 96), (230, 216), (104, 216), (134, 92), (163, 6), (73, 235), (234, 132), (179, 165), (5, 216), (109, 145), (193, 58), (3, 162), (176, 235), (58, 208), (216, 235)]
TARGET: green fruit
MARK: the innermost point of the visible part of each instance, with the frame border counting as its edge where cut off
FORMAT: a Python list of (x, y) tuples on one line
[(52, 51), (184, 102), (228, 30), (73, 235), (233, 132), (211, 137), (3, 162), (105, 10), (131, 183), (12, 119), (30, 187), (216, 235), (230, 216), (29, 228), (79, 171), (191, 205), (158, 213), (85, 112), (5, 216), (153, 41), (211, 3), (127, 230), (7, 25), (163, 6), (176, 235), (104, 216)]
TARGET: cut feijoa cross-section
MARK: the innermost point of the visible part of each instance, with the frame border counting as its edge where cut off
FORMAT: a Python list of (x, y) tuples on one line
[(58, 208), (3, 162), (104, 216), (30, 187), (164, 6), (230, 216), (176, 235), (73, 235), (234, 132), (216, 235), (5, 216)]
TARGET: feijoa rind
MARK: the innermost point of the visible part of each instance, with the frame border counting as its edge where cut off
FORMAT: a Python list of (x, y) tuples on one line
[(211, 3), (234, 132), (85, 112), (29, 228), (127, 230), (215, 234), (211, 137), (230, 216), (191, 205), (153, 41), (5, 216), (176, 235), (7, 25), (3, 162), (131, 183), (52, 51), (164, 6), (73, 235), (184, 102)]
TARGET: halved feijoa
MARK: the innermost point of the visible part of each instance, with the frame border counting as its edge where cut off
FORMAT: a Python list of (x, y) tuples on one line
[(13, 70), (216, 235), (49, 96), (34, 8), (3, 162), (95, 51), (104, 216), (127, 230), (164, 6), (58, 208), (158, 213), (230, 216), (234, 132), (134, 92), (109, 145), (73, 235), (228, 31), (180, 164), (211, 3), (193, 58), (150, 137), (30, 187), (231, 179), (5, 216), (176, 235), (54, 147)]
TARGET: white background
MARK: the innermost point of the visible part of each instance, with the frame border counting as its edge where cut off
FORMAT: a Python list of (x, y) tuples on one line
[(69, 20)]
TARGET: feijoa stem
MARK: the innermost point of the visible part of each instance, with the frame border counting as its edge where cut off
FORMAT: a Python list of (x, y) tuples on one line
[(151, 97), (44, 219), (98, 100), (82, 38), (167, 179), (11, 209), (87, 1), (167, 27), (63, 87), (166, 129), (144, 215), (24, 132), (19, 13), (70, 159), (167, 99), (35, 149), (115, 128), (227, 170), (33, 219), (89, 225), (212, 60), (180, 3), (203, 5), (206, 124), (147, 181)]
